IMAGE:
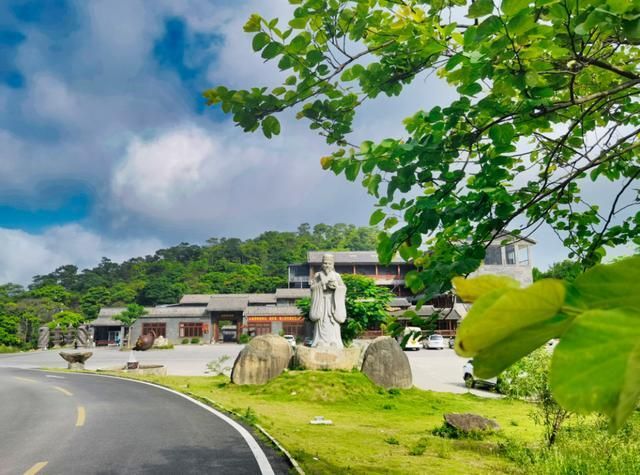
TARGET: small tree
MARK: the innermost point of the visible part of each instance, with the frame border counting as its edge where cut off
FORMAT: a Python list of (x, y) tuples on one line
[(66, 319), (129, 316), (529, 379)]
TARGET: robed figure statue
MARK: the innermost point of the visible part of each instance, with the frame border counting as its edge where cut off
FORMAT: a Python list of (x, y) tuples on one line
[(328, 309)]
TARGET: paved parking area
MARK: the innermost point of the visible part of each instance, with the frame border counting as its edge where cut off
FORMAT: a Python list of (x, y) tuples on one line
[(434, 370)]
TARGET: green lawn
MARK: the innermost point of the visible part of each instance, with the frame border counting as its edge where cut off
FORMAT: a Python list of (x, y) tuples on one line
[(374, 430)]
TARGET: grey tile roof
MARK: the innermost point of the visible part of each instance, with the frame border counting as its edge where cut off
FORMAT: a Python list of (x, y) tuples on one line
[(349, 257), (262, 298), (400, 302), (292, 293), (427, 310), (104, 322), (228, 302), (176, 311), (280, 311), (191, 299), (109, 312)]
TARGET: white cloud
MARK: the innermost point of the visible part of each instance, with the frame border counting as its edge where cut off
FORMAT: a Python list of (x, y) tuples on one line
[(24, 255)]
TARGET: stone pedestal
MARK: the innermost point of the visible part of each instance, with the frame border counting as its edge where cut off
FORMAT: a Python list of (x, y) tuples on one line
[(327, 358), (76, 360)]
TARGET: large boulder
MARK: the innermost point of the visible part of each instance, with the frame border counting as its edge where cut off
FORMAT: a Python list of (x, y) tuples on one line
[(264, 358), (468, 423), (386, 364), (327, 358)]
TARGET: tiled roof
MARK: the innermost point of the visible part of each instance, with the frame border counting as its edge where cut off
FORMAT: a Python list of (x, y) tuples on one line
[(279, 311), (228, 302), (349, 257), (194, 299), (292, 293)]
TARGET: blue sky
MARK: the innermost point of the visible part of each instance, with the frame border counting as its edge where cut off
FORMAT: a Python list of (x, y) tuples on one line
[(107, 149)]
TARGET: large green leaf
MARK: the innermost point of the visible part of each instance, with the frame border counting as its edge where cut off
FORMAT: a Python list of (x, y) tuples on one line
[(612, 285), (502, 312), (596, 365), (472, 289), (495, 359)]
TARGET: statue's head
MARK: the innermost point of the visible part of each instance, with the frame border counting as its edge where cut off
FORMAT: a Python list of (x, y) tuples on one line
[(327, 263)]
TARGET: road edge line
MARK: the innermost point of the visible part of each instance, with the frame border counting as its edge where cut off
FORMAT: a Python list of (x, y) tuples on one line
[(258, 453)]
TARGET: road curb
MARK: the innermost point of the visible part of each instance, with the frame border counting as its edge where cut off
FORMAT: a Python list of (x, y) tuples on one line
[(292, 461)]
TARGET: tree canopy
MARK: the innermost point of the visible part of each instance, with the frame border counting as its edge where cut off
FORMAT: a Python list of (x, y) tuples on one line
[(546, 107)]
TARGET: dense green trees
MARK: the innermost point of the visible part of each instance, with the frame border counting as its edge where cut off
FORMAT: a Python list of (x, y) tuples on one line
[(225, 265)]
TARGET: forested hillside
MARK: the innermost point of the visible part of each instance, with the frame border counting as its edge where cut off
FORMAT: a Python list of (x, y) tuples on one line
[(225, 265)]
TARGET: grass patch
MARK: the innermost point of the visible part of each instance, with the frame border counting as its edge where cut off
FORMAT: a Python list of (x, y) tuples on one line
[(9, 349)]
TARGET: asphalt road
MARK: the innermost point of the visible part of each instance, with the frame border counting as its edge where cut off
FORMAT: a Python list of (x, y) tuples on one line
[(84, 424)]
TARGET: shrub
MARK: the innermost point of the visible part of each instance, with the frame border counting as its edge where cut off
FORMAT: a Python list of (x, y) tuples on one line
[(529, 379), (8, 349), (447, 431), (195, 341), (244, 339), (392, 441), (419, 448), (185, 341), (217, 367), (168, 346)]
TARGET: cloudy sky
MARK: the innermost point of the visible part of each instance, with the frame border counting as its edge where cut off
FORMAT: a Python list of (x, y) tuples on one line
[(106, 148)]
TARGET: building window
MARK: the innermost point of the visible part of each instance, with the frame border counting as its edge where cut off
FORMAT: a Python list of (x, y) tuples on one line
[(293, 328), (344, 269), (388, 270), (523, 255), (511, 254), (159, 328), (366, 269), (493, 256), (190, 329), (258, 328)]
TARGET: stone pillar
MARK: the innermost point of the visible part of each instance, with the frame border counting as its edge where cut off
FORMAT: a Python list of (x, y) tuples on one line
[(43, 338), (57, 337), (83, 336)]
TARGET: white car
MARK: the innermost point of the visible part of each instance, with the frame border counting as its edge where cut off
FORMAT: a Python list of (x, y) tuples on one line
[(291, 339), (470, 379), (434, 342)]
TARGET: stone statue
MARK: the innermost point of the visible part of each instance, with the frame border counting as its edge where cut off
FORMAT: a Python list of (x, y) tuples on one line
[(328, 309), (43, 338), (57, 337)]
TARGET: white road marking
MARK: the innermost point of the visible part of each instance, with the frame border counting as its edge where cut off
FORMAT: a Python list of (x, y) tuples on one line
[(63, 391)]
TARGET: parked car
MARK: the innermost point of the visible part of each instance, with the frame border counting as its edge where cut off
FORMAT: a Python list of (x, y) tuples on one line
[(434, 342), (291, 339), (470, 379), (307, 341), (414, 336)]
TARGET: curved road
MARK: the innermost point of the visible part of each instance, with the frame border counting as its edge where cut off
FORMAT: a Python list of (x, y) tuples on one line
[(81, 424)]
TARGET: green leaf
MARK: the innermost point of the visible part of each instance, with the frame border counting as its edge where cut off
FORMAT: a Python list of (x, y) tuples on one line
[(260, 41), (611, 285), (495, 359), (502, 312), (511, 7), (588, 375), (270, 126), (480, 8), (473, 288), (501, 134), (272, 50), (377, 216), (352, 170), (253, 24), (300, 42)]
